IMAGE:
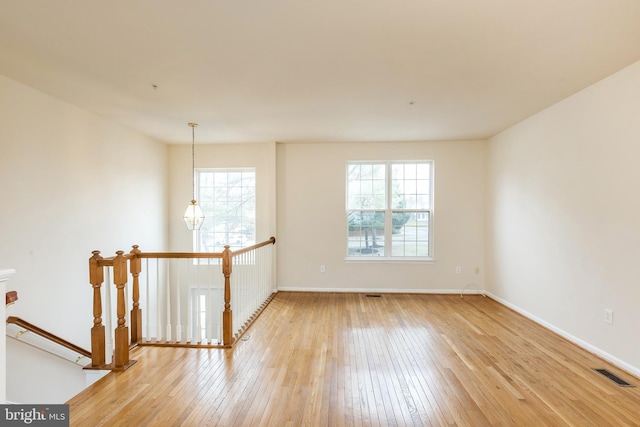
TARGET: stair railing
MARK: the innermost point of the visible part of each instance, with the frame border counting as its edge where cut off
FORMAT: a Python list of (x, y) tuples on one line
[(180, 298)]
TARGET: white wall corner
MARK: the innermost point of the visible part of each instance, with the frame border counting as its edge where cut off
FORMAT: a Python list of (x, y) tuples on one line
[(5, 275)]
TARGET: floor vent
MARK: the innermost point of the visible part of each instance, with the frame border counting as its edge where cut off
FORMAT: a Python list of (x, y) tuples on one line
[(374, 296), (616, 379)]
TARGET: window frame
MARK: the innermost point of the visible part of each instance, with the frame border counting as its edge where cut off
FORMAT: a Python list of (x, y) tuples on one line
[(388, 213), (197, 236)]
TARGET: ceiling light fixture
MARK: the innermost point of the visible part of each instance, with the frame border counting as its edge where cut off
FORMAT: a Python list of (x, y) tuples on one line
[(193, 216)]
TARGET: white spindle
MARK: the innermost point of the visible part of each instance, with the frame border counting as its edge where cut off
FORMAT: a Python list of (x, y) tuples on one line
[(197, 316), (190, 268), (168, 304), (209, 316), (158, 314), (147, 300), (109, 315), (178, 291)]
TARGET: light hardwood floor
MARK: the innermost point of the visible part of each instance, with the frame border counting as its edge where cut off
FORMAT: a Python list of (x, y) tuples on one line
[(351, 360)]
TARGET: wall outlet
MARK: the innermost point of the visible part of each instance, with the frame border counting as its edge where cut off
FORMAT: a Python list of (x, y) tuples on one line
[(458, 270), (608, 316), (477, 270), (322, 269)]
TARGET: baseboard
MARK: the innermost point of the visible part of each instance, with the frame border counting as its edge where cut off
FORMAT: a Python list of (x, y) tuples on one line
[(633, 370), (468, 290)]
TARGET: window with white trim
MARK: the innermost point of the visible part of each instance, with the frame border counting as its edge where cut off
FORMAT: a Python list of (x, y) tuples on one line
[(228, 200), (389, 209)]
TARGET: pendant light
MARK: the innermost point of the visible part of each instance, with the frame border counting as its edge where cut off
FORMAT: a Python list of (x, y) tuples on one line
[(193, 216)]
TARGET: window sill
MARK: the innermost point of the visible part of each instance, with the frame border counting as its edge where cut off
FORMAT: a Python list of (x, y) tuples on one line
[(397, 260)]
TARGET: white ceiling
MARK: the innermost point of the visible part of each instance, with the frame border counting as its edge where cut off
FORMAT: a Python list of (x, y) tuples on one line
[(316, 70)]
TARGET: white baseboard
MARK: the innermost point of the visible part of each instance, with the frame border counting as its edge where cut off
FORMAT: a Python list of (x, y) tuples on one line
[(467, 290), (583, 344)]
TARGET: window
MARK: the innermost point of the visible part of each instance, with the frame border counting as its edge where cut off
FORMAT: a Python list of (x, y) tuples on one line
[(389, 209), (228, 200)]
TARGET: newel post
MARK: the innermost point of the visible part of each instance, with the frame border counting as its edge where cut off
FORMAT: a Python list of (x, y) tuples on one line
[(135, 266), (96, 277), (121, 352), (227, 319)]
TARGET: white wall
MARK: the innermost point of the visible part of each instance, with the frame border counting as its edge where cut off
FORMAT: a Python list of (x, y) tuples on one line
[(36, 376), (5, 275), (259, 156), (563, 232), (71, 182), (312, 219)]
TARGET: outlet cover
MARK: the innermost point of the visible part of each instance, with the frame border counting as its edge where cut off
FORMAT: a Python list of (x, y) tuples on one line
[(608, 316)]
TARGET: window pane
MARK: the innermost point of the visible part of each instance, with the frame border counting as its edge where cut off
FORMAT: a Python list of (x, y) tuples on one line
[(366, 233), (407, 188), (423, 171), (397, 171), (410, 235), (228, 204), (366, 186)]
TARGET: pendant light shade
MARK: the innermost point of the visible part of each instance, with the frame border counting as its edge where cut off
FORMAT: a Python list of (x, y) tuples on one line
[(193, 216)]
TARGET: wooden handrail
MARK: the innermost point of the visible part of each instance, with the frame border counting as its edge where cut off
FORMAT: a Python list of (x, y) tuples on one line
[(108, 262), (48, 335), (180, 255), (271, 241)]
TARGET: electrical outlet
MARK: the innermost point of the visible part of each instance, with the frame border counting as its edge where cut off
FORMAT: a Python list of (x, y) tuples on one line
[(458, 270), (477, 270), (608, 316), (322, 269)]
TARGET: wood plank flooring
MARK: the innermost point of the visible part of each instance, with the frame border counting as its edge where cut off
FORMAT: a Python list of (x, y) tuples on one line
[(314, 359)]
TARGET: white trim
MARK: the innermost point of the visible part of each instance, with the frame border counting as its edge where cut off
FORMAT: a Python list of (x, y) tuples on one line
[(580, 343), (6, 274), (466, 291), (373, 259)]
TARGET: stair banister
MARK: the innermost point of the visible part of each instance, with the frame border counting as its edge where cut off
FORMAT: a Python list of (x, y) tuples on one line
[(135, 265), (124, 338), (227, 315), (121, 342), (96, 278)]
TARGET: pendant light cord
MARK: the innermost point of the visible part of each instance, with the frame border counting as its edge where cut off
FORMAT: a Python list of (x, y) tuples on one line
[(193, 161)]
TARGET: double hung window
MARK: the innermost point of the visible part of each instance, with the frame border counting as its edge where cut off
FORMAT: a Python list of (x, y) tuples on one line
[(389, 209)]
